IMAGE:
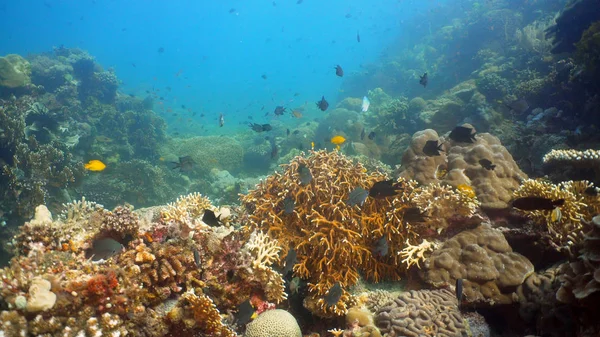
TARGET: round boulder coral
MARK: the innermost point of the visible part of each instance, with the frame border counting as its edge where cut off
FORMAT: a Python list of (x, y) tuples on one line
[(274, 323)]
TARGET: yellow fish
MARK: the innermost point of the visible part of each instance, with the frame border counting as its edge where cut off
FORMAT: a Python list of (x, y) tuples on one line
[(337, 147), (338, 140), (466, 189), (312, 145), (95, 165), (556, 215)]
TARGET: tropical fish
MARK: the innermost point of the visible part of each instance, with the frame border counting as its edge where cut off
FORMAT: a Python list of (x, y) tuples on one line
[(260, 127), (338, 140), (197, 259), (462, 134), (295, 285), (279, 110), (556, 215), (441, 172), (339, 71), (380, 247), (221, 120), (323, 104), (232, 10), (312, 145), (459, 290), (104, 249), (305, 175), (263, 76), (334, 294), (487, 164), (358, 196), (357, 35), (424, 80), (290, 261), (537, 203), (245, 313), (362, 134), (274, 148), (287, 132), (384, 189), (365, 104), (414, 214), (297, 113), (161, 50), (371, 135), (94, 165), (210, 218), (288, 205), (466, 189), (432, 148)]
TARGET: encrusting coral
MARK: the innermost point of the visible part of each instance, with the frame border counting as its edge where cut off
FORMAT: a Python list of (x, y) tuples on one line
[(461, 162), (334, 241), (483, 259)]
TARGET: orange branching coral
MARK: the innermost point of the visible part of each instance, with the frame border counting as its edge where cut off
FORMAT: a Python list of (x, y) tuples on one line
[(333, 240), (187, 208), (199, 313), (578, 206)]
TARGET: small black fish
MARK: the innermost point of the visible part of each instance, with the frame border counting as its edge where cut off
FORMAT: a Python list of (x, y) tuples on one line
[(274, 148), (260, 127), (357, 197), (537, 203), (459, 290), (221, 119), (245, 313), (414, 214), (432, 148), (231, 11), (487, 164), (296, 132), (197, 259), (161, 50), (183, 106), (104, 249), (185, 164), (298, 2), (424, 80), (161, 98), (210, 218), (462, 134), (305, 175), (348, 16), (334, 294), (380, 247), (371, 135), (263, 76), (288, 205), (339, 71), (591, 191), (287, 132), (279, 110), (384, 189), (357, 36), (290, 261), (133, 65), (323, 104), (362, 134)]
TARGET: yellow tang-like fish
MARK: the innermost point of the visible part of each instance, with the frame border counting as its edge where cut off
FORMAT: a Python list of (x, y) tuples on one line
[(466, 189), (338, 140), (95, 165)]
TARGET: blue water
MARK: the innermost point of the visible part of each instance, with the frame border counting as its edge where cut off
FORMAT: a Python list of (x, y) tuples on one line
[(213, 60)]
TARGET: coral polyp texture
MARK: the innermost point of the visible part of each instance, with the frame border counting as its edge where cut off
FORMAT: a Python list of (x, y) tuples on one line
[(459, 164), (490, 270), (579, 205), (421, 313), (335, 240), (587, 159)]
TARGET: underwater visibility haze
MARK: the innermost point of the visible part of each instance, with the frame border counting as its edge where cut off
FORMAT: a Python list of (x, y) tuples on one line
[(300, 168)]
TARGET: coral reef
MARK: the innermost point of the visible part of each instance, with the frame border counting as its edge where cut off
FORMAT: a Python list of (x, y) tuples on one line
[(273, 323), (207, 152), (15, 71), (421, 313), (493, 188), (532, 38), (490, 269)]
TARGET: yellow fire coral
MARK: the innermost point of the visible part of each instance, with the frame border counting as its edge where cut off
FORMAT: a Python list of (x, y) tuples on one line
[(188, 206), (335, 241), (264, 251), (579, 205), (198, 312)]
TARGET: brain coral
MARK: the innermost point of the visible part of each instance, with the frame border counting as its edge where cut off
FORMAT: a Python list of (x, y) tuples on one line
[(421, 313), (273, 323), (493, 188), (490, 270)]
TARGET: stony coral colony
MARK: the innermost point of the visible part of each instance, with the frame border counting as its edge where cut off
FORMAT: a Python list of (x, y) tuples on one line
[(151, 272)]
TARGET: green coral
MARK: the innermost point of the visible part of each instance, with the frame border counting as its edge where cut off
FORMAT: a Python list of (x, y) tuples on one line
[(15, 71), (588, 49), (493, 86)]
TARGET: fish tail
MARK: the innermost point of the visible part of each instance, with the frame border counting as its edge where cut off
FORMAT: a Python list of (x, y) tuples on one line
[(558, 202), (176, 165)]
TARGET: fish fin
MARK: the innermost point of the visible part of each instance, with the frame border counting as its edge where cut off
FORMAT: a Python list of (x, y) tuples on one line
[(558, 202)]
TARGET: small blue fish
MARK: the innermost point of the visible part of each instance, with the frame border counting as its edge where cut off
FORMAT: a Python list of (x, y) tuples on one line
[(290, 261), (334, 294), (305, 175), (288, 205), (380, 247), (365, 104), (357, 197)]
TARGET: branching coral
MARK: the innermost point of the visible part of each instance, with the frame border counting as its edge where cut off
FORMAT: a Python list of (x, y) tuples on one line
[(199, 313), (565, 230), (587, 159), (265, 252), (532, 38)]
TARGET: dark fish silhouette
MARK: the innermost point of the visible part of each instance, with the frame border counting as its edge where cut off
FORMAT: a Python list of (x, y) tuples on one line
[(362, 134), (260, 127), (197, 259), (287, 132), (231, 11), (290, 261), (298, 2), (487, 164), (384, 189), (357, 36), (334, 294), (462, 134), (221, 120), (424, 80), (339, 71), (537, 203), (432, 148), (380, 247), (459, 290), (371, 135), (185, 164), (104, 249), (210, 218), (305, 175), (322, 104), (263, 76), (414, 214), (519, 106), (288, 205), (274, 148), (245, 313), (279, 110), (357, 197), (161, 50)]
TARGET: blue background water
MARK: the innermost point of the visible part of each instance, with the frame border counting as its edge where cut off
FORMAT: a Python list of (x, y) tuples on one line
[(213, 60)]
